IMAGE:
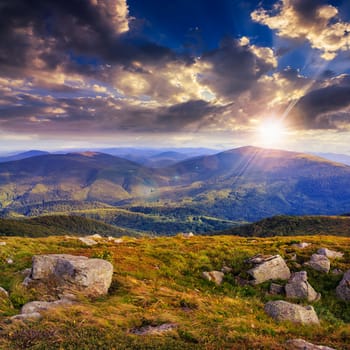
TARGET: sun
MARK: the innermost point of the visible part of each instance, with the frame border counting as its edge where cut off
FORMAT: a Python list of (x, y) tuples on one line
[(271, 132)]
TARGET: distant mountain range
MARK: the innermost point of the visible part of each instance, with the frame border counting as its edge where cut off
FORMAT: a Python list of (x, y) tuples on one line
[(22, 155), (243, 184), (335, 157)]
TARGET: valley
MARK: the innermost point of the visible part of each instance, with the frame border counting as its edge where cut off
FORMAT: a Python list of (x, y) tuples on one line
[(203, 194)]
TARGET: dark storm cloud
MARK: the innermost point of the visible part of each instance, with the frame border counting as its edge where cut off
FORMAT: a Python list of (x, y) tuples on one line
[(105, 114), (235, 67), (196, 113), (324, 108), (63, 32)]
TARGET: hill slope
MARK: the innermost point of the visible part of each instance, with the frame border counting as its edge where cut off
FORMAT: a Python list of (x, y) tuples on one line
[(294, 226), (158, 281), (52, 225)]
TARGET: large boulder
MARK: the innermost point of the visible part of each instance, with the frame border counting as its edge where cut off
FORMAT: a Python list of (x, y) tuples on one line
[(299, 287), (343, 289), (71, 274), (331, 254), (213, 276), (319, 263), (268, 268), (281, 310), (300, 344)]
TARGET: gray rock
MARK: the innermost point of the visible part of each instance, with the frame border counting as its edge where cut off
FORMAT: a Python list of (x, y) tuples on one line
[(23, 317), (337, 272), (9, 261), (269, 268), (188, 234), (87, 241), (165, 327), (276, 289), (319, 263), (213, 276), (299, 287), (300, 344), (26, 272), (301, 245), (40, 306), (226, 269), (281, 310), (95, 236), (343, 289), (4, 293), (72, 273), (331, 254)]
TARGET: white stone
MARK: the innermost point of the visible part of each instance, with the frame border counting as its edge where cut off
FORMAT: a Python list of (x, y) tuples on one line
[(269, 268), (281, 310)]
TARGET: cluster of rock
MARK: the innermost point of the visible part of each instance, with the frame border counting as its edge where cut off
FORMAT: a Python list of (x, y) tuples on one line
[(68, 276), (270, 268)]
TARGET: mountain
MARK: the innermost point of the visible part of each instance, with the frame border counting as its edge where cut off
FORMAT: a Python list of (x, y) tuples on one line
[(243, 184), (284, 225), (84, 176), (335, 157), (23, 155)]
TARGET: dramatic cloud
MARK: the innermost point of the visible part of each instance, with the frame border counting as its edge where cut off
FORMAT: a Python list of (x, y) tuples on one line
[(310, 20), (235, 66), (86, 67), (327, 107)]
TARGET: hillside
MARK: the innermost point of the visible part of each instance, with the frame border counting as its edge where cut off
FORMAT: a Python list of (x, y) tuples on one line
[(158, 281), (55, 225), (283, 225), (245, 184)]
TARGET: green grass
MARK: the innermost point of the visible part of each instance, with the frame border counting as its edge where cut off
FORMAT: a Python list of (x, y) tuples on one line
[(158, 280)]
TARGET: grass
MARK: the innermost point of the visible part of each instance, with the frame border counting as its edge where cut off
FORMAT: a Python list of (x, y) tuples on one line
[(158, 280)]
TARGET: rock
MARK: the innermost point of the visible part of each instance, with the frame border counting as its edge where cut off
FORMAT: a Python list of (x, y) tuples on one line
[(299, 287), (26, 272), (118, 240), (87, 241), (343, 289), (281, 310), (331, 254), (337, 272), (2, 243), (165, 327), (276, 289), (226, 269), (23, 317), (319, 263), (40, 306), (187, 235), (269, 268), (213, 276), (72, 273), (300, 344), (95, 236), (301, 245), (9, 261), (4, 293), (293, 257)]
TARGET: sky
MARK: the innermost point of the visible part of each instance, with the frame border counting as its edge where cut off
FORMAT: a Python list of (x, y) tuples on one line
[(200, 73)]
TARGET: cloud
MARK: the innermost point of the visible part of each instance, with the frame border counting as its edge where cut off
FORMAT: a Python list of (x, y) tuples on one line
[(235, 66), (311, 20), (327, 107)]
